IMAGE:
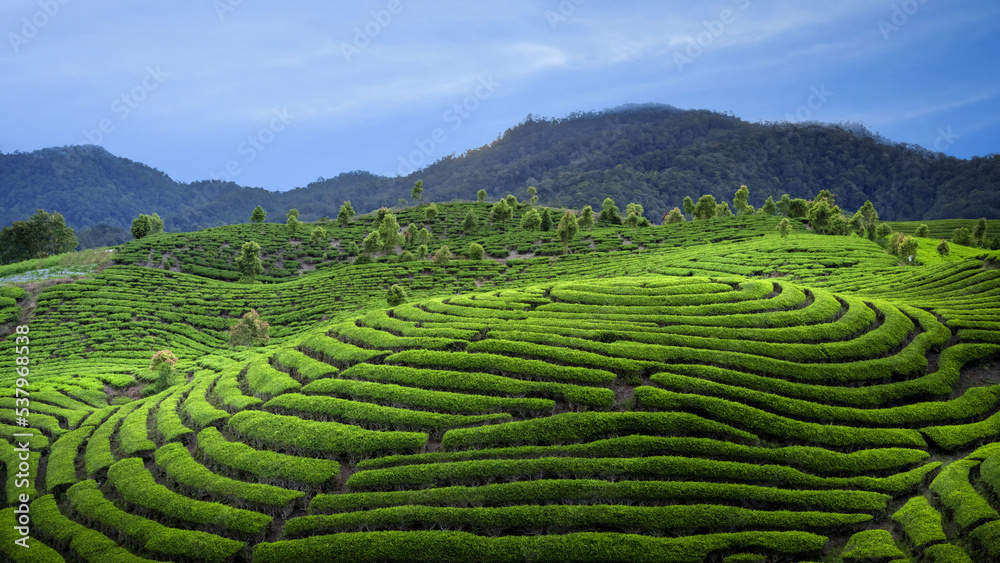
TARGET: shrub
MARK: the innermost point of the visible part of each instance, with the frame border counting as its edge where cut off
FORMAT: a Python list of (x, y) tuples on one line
[(395, 296), (250, 330)]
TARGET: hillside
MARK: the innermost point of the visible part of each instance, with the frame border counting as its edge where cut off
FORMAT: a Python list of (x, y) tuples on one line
[(703, 391), (653, 155)]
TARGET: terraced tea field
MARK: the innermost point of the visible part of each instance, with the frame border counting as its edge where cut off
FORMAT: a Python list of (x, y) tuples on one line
[(697, 392)]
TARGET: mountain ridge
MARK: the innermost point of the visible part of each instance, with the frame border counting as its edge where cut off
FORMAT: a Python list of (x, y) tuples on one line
[(652, 154)]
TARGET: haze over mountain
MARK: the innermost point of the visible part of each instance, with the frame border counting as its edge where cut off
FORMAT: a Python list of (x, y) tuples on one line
[(651, 154)]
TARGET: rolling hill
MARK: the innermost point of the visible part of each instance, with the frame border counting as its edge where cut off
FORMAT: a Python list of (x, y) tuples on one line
[(702, 391)]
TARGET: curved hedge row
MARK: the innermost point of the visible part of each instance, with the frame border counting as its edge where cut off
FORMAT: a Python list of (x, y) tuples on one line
[(265, 466), (580, 491), (569, 428), (138, 488), (433, 547), (88, 501), (561, 519), (327, 438)]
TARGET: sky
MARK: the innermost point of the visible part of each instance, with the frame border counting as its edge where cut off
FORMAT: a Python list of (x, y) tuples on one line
[(279, 94)]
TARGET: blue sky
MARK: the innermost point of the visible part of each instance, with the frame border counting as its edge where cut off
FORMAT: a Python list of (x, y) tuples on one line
[(276, 94)]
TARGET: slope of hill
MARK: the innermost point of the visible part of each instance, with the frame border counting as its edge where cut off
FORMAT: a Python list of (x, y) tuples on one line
[(705, 391), (653, 155)]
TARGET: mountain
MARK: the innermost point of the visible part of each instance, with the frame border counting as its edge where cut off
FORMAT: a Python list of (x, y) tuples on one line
[(651, 154)]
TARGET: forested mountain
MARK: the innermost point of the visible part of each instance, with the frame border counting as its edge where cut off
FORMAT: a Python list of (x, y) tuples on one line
[(649, 154)]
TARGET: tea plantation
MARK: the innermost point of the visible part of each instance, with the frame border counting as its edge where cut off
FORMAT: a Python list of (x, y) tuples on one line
[(702, 391)]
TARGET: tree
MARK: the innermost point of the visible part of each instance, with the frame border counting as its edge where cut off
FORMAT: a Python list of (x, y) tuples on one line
[(784, 227), (531, 220), (395, 296), (722, 209), (258, 215), (389, 233), (962, 237), (422, 251), (979, 232), (705, 208), (838, 223), (674, 216), (868, 220), (292, 221), (470, 222), (411, 233), (741, 201), (432, 212), (882, 231), (534, 195), (769, 208), (250, 330), (632, 222), (162, 364), (481, 196), (476, 251), (609, 212), (784, 204), (423, 236), (405, 256), (353, 249), (567, 229), (546, 224), (501, 212), (417, 192), (511, 201), (688, 205), (346, 214), (248, 262), (908, 249), (797, 208), (922, 231), (442, 256), (820, 215), (827, 195), (372, 243), (141, 226), (318, 235), (942, 248), (586, 221), (157, 223)]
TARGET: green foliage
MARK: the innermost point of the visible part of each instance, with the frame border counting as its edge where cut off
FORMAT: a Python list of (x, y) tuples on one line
[(609, 212), (979, 232), (443, 256), (431, 213), (476, 251), (250, 330), (43, 234), (769, 208), (248, 262), (943, 248), (797, 208), (741, 201), (567, 229), (871, 545), (501, 212), (586, 221), (417, 192), (705, 208), (481, 196), (546, 220), (345, 214), (395, 296), (962, 237), (141, 226), (470, 222), (784, 227), (922, 230), (531, 220), (258, 216)]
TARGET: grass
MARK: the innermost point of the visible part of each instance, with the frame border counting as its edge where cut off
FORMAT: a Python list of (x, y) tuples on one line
[(701, 390)]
